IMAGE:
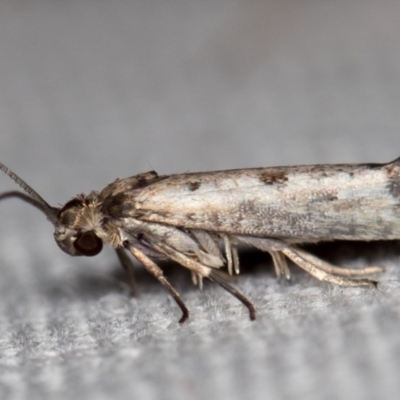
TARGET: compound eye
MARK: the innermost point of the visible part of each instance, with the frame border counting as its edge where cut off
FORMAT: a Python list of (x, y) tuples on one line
[(88, 244)]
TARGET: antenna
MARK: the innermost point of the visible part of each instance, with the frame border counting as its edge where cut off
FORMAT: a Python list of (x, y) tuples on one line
[(32, 197)]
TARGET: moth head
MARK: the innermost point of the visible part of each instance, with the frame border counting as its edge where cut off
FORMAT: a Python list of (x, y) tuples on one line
[(77, 224)]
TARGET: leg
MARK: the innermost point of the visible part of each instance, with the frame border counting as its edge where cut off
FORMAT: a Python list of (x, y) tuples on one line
[(158, 274), (203, 271), (280, 264), (319, 269), (322, 275), (127, 264), (234, 292), (331, 269), (197, 280), (231, 254), (274, 247), (235, 254), (228, 253)]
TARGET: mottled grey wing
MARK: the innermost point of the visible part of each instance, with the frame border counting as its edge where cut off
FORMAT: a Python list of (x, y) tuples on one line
[(302, 203)]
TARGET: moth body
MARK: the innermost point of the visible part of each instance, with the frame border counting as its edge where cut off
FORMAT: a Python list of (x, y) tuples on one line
[(198, 219)]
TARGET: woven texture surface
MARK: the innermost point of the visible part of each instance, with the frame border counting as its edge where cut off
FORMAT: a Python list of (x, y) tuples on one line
[(92, 91)]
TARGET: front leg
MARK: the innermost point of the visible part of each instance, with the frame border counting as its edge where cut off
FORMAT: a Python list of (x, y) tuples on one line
[(156, 271)]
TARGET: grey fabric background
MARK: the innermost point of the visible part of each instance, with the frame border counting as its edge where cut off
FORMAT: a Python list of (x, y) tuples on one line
[(95, 90)]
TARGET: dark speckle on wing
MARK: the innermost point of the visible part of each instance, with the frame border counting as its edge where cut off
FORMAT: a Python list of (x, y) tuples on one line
[(193, 185), (276, 177)]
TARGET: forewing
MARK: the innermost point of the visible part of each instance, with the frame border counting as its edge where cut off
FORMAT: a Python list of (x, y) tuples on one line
[(301, 203)]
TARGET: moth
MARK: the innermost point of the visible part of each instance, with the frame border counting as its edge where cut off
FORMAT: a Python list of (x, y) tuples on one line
[(198, 219)]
